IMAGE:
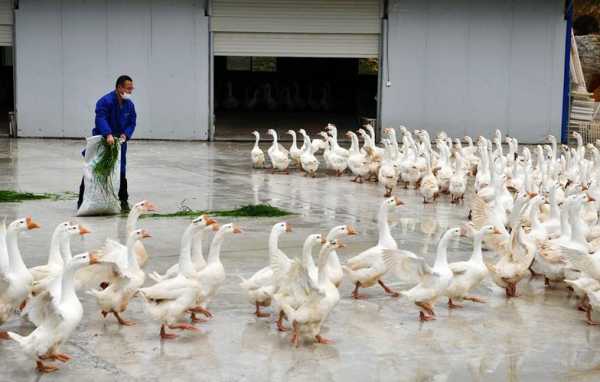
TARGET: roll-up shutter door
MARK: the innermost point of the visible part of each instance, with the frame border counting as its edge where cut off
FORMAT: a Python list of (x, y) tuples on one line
[(303, 28), (6, 23)]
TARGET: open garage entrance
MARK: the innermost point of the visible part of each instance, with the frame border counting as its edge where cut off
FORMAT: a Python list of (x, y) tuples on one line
[(285, 65), (260, 93)]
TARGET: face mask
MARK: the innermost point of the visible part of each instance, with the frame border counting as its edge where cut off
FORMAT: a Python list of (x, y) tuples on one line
[(126, 95)]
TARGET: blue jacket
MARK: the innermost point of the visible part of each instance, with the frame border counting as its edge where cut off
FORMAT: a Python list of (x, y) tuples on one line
[(116, 120)]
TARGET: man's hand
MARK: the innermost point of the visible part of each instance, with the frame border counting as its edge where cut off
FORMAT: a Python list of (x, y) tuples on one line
[(123, 138), (110, 139)]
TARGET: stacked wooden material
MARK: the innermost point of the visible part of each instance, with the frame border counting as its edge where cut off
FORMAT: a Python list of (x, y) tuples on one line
[(584, 111)]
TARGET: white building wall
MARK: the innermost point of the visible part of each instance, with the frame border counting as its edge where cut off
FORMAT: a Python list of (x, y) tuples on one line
[(473, 66), (69, 53)]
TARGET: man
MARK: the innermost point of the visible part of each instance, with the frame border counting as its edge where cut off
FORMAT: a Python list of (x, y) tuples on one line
[(116, 119)]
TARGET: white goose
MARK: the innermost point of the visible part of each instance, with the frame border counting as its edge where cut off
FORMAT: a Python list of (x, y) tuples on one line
[(316, 144), (467, 275), (368, 267), (388, 172), (357, 161), (434, 280), (62, 313), (308, 161), (129, 278), (60, 254), (277, 155), (207, 224), (321, 298), (212, 276), (257, 155), (334, 270), (292, 291), (93, 275), (335, 147), (429, 187), (295, 152), (336, 161), (16, 281), (458, 181), (260, 287), (169, 300)]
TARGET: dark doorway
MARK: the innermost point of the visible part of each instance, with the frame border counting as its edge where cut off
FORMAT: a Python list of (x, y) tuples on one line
[(7, 101), (283, 93)]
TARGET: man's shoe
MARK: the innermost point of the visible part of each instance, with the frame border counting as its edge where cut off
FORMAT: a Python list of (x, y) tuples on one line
[(125, 206)]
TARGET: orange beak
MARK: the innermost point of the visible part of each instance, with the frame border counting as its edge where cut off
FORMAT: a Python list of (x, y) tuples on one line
[(93, 259), (532, 194), (351, 230), (145, 234), (590, 199), (210, 221), (497, 231), (339, 245), (215, 227), (323, 241), (151, 207), (398, 201), (237, 230), (31, 224), (83, 230), (288, 227)]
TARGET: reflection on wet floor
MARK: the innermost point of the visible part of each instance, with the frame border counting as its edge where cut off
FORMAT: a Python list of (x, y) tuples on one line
[(538, 336)]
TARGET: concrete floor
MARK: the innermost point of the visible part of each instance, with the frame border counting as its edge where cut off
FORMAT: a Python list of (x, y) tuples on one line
[(538, 336)]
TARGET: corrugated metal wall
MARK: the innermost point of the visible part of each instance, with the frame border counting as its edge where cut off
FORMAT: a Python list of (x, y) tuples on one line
[(69, 53), (473, 66)]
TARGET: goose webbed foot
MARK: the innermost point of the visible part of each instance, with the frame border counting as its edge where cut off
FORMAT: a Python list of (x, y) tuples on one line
[(388, 290), (43, 368), (356, 295), (323, 340), (280, 325), (588, 315), (195, 319), (474, 299), (452, 305), (122, 321), (260, 314), (166, 336)]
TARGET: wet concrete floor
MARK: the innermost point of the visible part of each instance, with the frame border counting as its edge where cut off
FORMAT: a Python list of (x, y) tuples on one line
[(537, 336)]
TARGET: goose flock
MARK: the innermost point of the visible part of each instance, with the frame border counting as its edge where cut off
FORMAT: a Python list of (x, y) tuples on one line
[(535, 207), (533, 214), (413, 164)]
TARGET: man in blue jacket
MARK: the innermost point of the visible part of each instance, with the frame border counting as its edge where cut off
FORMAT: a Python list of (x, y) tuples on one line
[(116, 119)]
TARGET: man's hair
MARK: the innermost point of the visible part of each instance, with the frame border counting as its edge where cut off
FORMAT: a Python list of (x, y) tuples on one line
[(121, 80)]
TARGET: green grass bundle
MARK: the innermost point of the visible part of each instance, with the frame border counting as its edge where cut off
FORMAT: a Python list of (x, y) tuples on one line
[(250, 210), (8, 196), (104, 167)]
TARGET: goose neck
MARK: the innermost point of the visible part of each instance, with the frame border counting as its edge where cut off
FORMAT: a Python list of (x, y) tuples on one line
[(385, 236), (15, 259), (185, 252), (477, 255), (55, 248), (214, 253), (441, 259), (132, 220), (131, 257)]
